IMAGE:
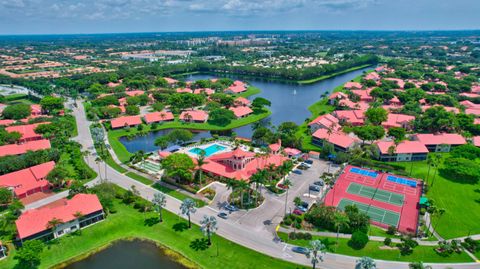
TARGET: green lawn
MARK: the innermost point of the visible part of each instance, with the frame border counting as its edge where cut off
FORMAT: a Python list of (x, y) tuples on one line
[(176, 194), (376, 231), (129, 223), (124, 156), (139, 178), (372, 250), (313, 80), (461, 202)]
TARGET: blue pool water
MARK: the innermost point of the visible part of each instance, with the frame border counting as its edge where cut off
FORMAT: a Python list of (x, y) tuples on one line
[(363, 172), (210, 150), (403, 181)]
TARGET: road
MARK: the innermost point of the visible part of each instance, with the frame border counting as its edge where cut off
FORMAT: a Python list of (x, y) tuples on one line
[(254, 229)]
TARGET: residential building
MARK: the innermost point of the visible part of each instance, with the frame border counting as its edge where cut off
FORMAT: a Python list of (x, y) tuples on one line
[(28, 181), (404, 151), (292, 152), (241, 111), (364, 95), (341, 141), (327, 121), (198, 116), (27, 131), (125, 121), (236, 87), (18, 149), (74, 214), (352, 85), (241, 101), (336, 96), (206, 91), (353, 117), (442, 142), (159, 116), (398, 120)]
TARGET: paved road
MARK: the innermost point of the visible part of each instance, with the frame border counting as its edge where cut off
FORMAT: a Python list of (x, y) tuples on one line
[(254, 229)]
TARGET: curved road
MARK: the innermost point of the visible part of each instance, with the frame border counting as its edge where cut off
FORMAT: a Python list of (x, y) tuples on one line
[(258, 236)]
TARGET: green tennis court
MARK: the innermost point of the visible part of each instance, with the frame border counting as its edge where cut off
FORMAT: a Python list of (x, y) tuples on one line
[(376, 214), (376, 194)]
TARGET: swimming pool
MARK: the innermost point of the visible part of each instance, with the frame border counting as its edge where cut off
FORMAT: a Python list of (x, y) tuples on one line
[(210, 150)]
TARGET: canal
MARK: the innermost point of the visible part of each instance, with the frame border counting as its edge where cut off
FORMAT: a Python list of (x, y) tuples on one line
[(290, 102), (128, 255)]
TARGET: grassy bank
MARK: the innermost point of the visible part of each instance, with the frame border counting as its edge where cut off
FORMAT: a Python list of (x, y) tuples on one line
[(374, 250), (176, 194), (317, 79), (172, 233)]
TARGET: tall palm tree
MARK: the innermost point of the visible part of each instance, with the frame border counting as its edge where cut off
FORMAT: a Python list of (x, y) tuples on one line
[(98, 160), (287, 183), (53, 223), (436, 159), (201, 162), (79, 216), (366, 263), (316, 252), (187, 208), (159, 202), (340, 221), (440, 213), (208, 227), (242, 186), (258, 179), (232, 184), (429, 164)]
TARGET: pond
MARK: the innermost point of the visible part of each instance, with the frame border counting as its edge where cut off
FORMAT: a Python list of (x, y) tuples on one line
[(128, 255), (290, 102)]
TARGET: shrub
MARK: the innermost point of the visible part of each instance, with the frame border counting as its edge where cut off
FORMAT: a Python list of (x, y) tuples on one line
[(387, 241), (471, 245), (287, 222), (307, 236), (359, 240), (391, 230), (292, 236)]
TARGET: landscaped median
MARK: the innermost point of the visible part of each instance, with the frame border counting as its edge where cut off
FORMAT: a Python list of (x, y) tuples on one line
[(378, 250), (172, 233)]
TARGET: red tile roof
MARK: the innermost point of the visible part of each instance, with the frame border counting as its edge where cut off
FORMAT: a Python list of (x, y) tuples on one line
[(242, 101), (355, 117), (184, 90), (196, 115), (443, 138), (400, 82), (362, 105), (134, 93), (327, 120), (397, 120), (171, 80), (207, 91), (27, 131), (364, 94), (17, 149), (447, 108), (34, 221), (404, 147), (337, 95), (241, 111), (372, 76), (337, 138), (121, 122), (350, 85), (158, 116), (236, 89), (6, 122), (36, 109), (292, 151), (470, 95), (476, 141), (29, 180), (472, 111)]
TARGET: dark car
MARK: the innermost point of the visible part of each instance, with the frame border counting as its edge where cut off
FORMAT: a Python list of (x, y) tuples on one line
[(223, 215), (301, 208), (298, 212), (231, 208), (314, 188), (319, 183), (300, 250), (308, 161), (298, 172), (304, 204)]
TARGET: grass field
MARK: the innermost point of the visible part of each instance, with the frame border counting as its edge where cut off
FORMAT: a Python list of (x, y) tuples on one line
[(373, 250), (180, 196), (460, 201), (139, 178), (129, 223)]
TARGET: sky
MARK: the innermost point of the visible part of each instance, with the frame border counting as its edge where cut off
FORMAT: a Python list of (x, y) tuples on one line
[(113, 16)]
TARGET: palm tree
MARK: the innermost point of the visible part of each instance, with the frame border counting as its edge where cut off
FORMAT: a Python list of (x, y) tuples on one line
[(53, 223), (79, 216), (440, 213), (316, 252), (159, 202), (340, 221), (242, 186), (187, 208), (232, 184), (436, 158), (98, 160), (366, 263), (209, 226), (258, 179), (200, 162), (287, 183), (430, 164)]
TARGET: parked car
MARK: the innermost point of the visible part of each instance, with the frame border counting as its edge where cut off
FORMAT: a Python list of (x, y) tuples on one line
[(308, 161), (223, 215), (304, 204), (314, 188), (306, 164), (298, 172), (231, 208), (319, 183), (303, 209), (302, 167), (300, 250), (298, 212)]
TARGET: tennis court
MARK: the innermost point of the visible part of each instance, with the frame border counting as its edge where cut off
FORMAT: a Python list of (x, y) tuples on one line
[(376, 194), (376, 214)]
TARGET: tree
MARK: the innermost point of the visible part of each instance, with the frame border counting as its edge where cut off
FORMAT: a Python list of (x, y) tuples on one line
[(221, 117), (162, 142), (79, 216), (57, 176), (187, 208), (208, 227), (53, 223), (366, 263), (461, 170), (358, 240), (178, 166), (132, 110), (397, 132), (28, 255), (6, 196), (316, 252), (159, 202), (201, 162), (419, 265), (51, 103), (376, 115), (287, 183), (340, 221), (180, 136), (17, 111), (436, 119), (369, 132), (258, 103)]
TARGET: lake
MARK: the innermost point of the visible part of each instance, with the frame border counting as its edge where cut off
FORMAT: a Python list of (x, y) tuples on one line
[(290, 102), (128, 255)]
